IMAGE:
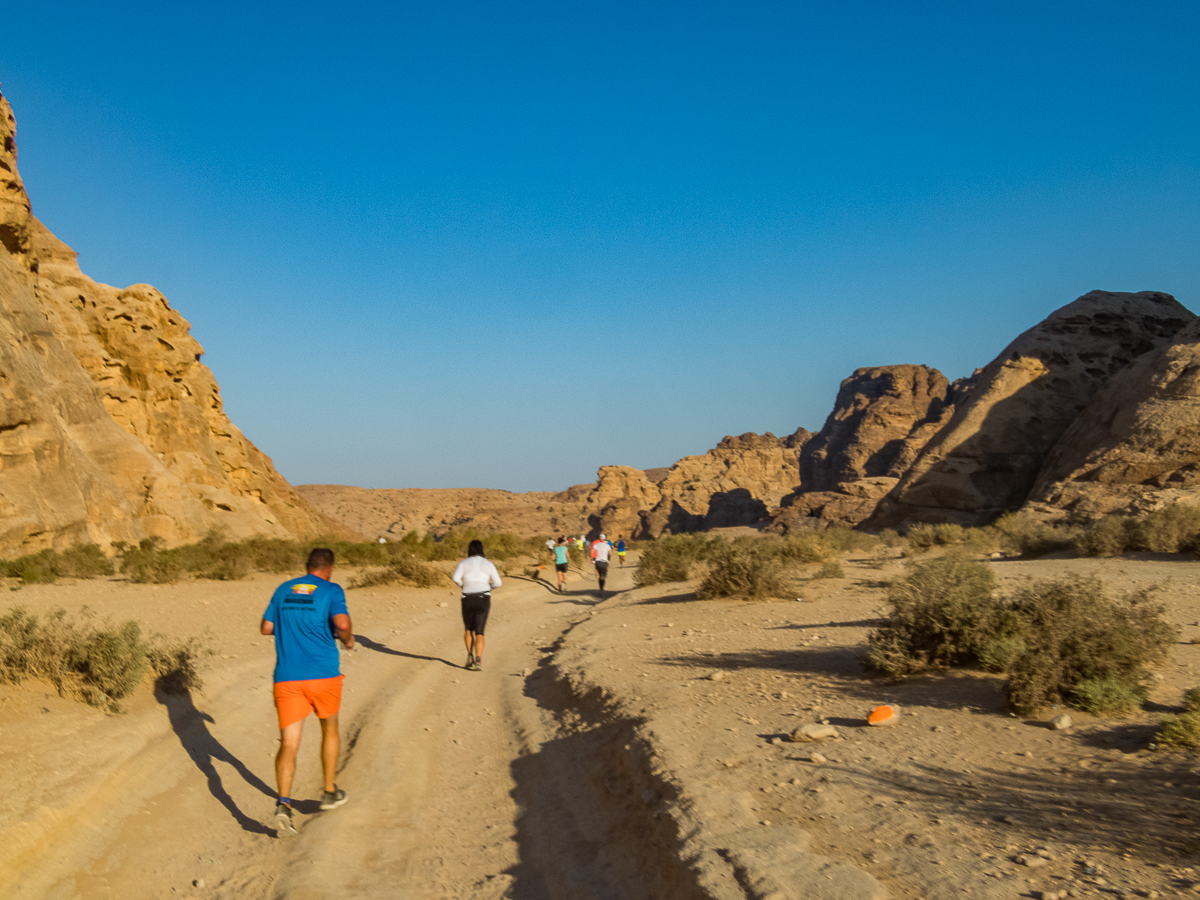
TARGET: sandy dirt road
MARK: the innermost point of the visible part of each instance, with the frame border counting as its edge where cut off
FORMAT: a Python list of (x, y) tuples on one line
[(431, 757)]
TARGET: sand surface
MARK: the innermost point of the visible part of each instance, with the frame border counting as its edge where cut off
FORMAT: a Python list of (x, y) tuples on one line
[(594, 757)]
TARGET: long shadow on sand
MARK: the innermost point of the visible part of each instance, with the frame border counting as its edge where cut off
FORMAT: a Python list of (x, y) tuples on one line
[(191, 727), (382, 648)]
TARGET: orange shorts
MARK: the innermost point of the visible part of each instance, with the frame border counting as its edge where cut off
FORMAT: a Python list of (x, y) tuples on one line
[(294, 700)]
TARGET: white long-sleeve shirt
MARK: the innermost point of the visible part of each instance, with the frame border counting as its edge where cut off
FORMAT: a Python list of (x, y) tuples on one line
[(476, 574)]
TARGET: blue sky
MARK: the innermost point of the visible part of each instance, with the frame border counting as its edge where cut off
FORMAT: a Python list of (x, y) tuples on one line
[(500, 245)]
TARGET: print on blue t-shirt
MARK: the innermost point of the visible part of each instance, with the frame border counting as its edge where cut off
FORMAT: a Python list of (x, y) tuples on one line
[(302, 611)]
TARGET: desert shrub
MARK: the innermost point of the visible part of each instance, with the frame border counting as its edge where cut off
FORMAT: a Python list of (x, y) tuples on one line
[(1169, 530), (830, 570), (891, 538), (751, 569), (46, 567), (100, 666), (406, 568), (1026, 536), (1108, 696), (941, 614), (1191, 700), (1111, 536), (921, 537), (998, 652), (671, 558), (806, 547), (1182, 731), (847, 540), (924, 537), (1075, 634)]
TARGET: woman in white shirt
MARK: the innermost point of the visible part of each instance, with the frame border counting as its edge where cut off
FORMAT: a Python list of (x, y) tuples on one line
[(476, 576)]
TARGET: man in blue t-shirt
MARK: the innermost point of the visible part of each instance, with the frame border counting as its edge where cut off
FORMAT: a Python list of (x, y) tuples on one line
[(304, 615)]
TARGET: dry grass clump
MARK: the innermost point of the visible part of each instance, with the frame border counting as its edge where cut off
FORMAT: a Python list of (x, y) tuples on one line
[(100, 666), (1183, 731), (1024, 535), (924, 537), (671, 558), (1058, 641), (830, 570), (748, 568)]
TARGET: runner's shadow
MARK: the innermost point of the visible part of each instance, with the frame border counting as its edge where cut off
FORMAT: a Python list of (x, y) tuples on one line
[(380, 648), (191, 727)]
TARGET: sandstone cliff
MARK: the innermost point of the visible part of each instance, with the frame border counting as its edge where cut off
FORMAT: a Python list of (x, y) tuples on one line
[(1136, 445), (110, 427), (986, 459)]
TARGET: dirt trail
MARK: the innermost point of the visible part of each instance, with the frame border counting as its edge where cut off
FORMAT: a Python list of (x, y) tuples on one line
[(442, 767)]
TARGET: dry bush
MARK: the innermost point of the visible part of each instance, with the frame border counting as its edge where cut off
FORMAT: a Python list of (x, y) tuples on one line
[(942, 613), (1075, 634), (46, 567), (406, 568), (921, 538), (830, 570), (100, 666), (806, 547), (847, 540), (748, 568), (671, 558), (1174, 529), (1025, 536), (1108, 696), (1181, 731), (1111, 536)]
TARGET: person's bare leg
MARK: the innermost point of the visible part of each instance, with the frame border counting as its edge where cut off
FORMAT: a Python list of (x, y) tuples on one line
[(331, 744), (479, 646), (467, 636), (285, 759)]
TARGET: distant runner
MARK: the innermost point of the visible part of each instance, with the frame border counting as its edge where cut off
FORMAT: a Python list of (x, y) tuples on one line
[(561, 562), (621, 548), (476, 576), (601, 550), (304, 615)]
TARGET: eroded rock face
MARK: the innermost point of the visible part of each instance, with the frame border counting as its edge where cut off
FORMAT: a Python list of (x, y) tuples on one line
[(1136, 445), (112, 429), (867, 434), (986, 459)]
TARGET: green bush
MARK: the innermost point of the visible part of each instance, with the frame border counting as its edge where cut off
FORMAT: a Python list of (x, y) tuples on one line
[(1182, 731), (1191, 700), (1108, 696), (942, 613), (671, 558), (807, 547), (1075, 634), (924, 537), (100, 666), (1173, 529), (751, 569), (998, 652), (847, 540), (830, 570)]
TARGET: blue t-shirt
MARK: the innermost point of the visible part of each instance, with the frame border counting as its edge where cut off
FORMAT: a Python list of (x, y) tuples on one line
[(302, 611), (560, 554), (620, 546)]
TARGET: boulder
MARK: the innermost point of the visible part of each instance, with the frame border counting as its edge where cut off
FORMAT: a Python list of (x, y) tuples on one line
[(987, 458), (807, 734)]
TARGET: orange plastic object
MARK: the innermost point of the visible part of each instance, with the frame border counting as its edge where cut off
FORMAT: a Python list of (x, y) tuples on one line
[(881, 714)]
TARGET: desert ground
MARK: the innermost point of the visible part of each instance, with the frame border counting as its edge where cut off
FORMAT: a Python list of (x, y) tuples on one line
[(632, 745)]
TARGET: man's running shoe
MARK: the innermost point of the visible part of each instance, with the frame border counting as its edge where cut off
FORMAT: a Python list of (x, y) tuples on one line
[(332, 799), (283, 820)]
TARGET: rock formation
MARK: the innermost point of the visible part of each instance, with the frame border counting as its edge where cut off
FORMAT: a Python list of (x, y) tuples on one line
[(110, 427), (1136, 445), (986, 459), (738, 482)]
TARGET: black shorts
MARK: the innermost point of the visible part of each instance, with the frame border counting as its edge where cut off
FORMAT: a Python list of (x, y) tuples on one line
[(602, 567), (475, 609), (561, 567)]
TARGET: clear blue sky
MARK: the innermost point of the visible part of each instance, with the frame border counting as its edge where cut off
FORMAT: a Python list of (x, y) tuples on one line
[(501, 244)]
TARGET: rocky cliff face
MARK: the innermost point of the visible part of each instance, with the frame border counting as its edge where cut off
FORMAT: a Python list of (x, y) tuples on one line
[(1136, 445), (110, 427), (986, 459)]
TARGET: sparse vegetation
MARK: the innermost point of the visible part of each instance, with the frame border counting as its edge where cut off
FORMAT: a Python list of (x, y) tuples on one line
[(1058, 641), (406, 568), (46, 567), (100, 666), (671, 558), (1022, 534), (748, 567), (1181, 731), (1173, 529)]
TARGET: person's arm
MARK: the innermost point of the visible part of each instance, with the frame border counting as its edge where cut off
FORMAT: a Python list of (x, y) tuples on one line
[(267, 627), (457, 577), (494, 577), (345, 631)]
